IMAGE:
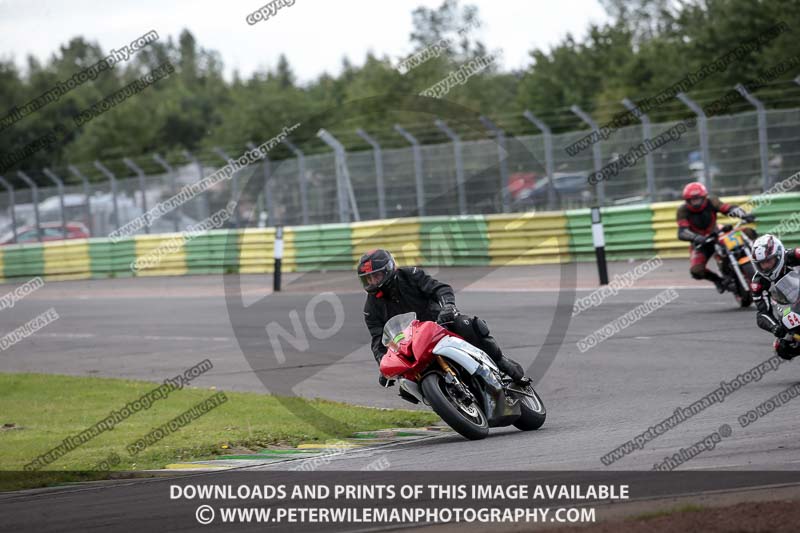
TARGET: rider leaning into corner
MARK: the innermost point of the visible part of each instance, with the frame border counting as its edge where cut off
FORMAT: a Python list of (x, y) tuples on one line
[(697, 221), (393, 290), (772, 261)]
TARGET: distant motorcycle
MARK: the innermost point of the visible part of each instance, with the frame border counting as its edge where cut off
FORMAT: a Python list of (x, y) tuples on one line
[(733, 253), (458, 381)]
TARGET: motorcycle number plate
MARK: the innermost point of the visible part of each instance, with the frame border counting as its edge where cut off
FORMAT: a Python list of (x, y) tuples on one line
[(733, 240), (791, 320)]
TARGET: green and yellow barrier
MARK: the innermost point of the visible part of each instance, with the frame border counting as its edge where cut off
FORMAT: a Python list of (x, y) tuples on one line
[(528, 239), (780, 215), (454, 241), (160, 255), (323, 247), (401, 236), (68, 259), (631, 232), (111, 259), (256, 250), (23, 260), (628, 231), (213, 252)]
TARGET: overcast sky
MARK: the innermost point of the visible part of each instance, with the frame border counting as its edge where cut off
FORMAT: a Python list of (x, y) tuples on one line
[(314, 34)]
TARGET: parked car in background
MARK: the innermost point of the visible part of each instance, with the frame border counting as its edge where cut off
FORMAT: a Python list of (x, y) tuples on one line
[(571, 189), (520, 185), (51, 231)]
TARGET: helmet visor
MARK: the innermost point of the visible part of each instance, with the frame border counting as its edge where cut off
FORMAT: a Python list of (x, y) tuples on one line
[(696, 201), (767, 264), (372, 281)]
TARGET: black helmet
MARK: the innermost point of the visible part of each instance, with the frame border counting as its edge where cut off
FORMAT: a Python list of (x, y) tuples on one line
[(376, 268)]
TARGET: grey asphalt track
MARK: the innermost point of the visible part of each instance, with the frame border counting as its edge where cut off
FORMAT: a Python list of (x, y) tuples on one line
[(155, 328)]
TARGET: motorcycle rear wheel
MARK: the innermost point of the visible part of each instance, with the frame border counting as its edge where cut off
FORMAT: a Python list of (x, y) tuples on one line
[(469, 421)]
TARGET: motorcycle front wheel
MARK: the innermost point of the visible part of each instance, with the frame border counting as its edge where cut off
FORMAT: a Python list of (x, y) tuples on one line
[(744, 297), (533, 411), (467, 419)]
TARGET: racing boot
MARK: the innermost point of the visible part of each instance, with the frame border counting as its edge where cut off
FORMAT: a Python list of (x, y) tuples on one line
[(719, 282), (513, 370), (730, 284), (720, 285)]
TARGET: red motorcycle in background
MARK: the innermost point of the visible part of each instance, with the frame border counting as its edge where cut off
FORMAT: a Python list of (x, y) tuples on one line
[(458, 381)]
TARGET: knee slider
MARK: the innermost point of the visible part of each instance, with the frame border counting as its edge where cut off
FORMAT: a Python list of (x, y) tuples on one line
[(698, 272)]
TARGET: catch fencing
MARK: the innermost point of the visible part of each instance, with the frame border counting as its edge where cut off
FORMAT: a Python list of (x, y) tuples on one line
[(485, 176)]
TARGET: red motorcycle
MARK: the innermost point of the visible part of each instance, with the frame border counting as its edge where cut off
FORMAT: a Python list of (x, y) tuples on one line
[(458, 381)]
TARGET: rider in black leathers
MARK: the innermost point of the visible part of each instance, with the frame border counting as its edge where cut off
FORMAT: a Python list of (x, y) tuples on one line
[(772, 262), (392, 291)]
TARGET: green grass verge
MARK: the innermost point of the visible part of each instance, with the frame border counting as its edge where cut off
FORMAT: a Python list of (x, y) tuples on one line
[(48, 408)]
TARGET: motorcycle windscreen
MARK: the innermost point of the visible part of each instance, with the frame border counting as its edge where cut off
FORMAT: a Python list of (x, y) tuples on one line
[(394, 328), (786, 290)]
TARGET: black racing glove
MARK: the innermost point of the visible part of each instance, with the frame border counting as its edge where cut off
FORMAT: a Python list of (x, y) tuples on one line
[(726, 228), (749, 218), (699, 240), (384, 382), (447, 314), (780, 331)]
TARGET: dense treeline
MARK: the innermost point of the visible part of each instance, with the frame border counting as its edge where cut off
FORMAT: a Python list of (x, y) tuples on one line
[(647, 47)]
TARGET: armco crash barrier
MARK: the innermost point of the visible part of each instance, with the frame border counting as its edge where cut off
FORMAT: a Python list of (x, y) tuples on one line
[(528, 238), (631, 232), (628, 232)]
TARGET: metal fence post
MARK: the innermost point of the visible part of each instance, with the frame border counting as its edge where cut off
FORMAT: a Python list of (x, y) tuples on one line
[(761, 115), (457, 155), (597, 155), (649, 168), (548, 156), (142, 188), (234, 184), (378, 157), (269, 199), (344, 186), (502, 159), (172, 187), (301, 177), (86, 195), (35, 191), (192, 159), (113, 179), (702, 123), (417, 151), (60, 186), (12, 202)]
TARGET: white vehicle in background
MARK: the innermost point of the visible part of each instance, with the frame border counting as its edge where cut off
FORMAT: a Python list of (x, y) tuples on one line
[(101, 221)]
